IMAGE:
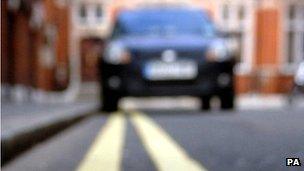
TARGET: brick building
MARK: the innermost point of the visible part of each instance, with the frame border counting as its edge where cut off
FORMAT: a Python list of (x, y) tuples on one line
[(50, 47), (271, 32), (34, 49)]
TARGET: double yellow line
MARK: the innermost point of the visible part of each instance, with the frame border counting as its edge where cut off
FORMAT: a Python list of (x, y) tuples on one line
[(107, 150)]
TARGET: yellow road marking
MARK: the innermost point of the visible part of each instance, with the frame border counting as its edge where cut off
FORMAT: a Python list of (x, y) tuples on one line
[(106, 151), (165, 153)]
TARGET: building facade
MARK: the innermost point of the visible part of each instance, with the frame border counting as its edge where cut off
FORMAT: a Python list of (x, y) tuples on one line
[(49, 48), (34, 49)]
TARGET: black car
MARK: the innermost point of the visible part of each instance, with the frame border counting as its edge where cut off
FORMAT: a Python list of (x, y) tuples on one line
[(166, 52)]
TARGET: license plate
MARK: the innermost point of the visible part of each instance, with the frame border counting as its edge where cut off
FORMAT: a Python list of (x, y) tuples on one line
[(177, 70)]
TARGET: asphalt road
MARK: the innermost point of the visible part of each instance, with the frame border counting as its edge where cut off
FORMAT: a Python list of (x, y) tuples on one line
[(173, 140)]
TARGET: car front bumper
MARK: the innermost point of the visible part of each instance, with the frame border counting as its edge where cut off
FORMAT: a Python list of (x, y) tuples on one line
[(212, 79)]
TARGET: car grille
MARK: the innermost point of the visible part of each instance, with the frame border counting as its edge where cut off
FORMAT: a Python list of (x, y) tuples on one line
[(139, 56)]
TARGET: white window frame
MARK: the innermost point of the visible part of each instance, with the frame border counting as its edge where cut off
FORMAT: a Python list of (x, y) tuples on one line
[(101, 18), (81, 19), (244, 26), (91, 19), (295, 25)]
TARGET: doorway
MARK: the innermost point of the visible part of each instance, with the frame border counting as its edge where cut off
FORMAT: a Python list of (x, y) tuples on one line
[(91, 51)]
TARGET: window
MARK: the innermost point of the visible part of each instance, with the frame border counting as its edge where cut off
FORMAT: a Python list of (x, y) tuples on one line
[(294, 35), (99, 12), (290, 47), (225, 12), (303, 45), (241, 12), (234, 23), (291, 12), (172, 22), (83, 12)]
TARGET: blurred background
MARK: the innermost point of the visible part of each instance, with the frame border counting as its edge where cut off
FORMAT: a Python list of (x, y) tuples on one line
[(49, 79), (50, 48)]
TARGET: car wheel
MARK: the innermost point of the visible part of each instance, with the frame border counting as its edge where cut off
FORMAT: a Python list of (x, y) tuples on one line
[(205, 102), (227, 100), (109, 100)]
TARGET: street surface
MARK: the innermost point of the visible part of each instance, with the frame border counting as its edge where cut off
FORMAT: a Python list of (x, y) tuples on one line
[(173, 140)]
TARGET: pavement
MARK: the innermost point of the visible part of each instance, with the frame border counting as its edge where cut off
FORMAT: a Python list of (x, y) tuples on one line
[(243, 102), (24, 124), (262, 102)]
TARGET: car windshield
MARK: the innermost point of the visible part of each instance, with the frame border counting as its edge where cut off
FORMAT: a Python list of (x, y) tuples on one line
[(164, 22)]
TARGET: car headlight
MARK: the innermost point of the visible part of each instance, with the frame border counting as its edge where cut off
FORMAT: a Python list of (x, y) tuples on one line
[(217, 52), (117, 54)]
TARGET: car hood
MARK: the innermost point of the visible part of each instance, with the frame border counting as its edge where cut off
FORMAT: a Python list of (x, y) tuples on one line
[(158, 43)]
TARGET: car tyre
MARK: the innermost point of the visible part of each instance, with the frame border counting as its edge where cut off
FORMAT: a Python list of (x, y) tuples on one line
[(109, 100), (227, 100), (205, 102)]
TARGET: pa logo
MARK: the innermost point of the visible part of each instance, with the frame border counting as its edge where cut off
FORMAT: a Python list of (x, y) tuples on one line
[(293, 162)]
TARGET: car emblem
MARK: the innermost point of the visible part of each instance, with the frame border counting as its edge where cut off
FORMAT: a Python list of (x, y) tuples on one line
[(169, 56)]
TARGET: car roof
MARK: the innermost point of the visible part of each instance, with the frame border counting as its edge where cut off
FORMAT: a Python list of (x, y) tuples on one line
[(161, 11)]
